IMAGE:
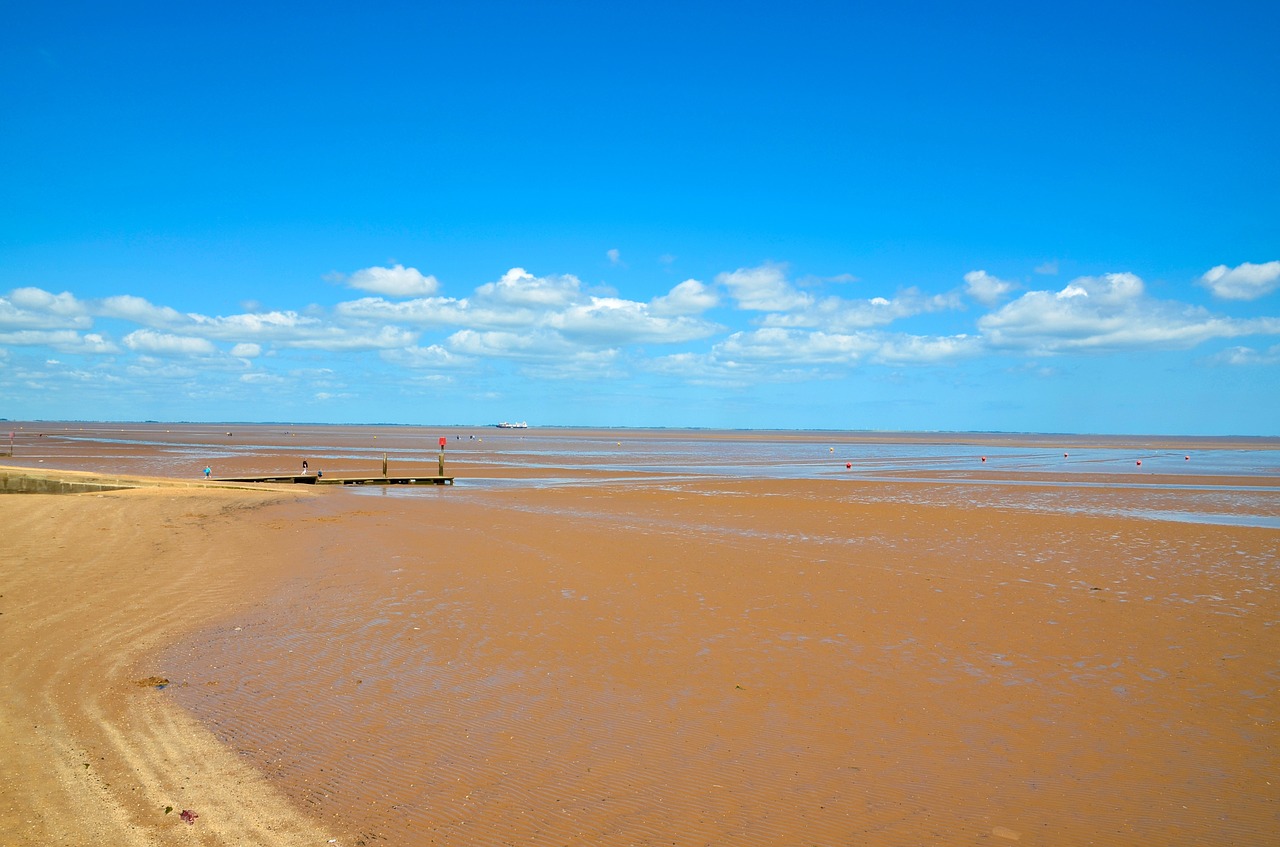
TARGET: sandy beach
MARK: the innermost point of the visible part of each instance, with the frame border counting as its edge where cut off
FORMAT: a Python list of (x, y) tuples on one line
[(94, 586), (657, 659)]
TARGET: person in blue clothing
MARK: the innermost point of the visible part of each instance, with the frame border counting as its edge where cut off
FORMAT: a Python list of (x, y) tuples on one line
[(207, 471)]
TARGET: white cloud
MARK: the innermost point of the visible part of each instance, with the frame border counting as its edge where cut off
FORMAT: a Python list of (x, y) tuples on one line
[(338, 339), (735, 366), (138, 310), (520, 288), (818, 281), (164, 344), (985, 288), (1246, 281), (37, 299), (1247, 356), (581, 365), (433, 356), (510, 345), (35, 308), (520, 301), (261, 378), (62, 340), (705, 369), (427, 311), (764, 289), (246, 350), (92, 342), (794, 346), (1107, 313), (838, 315), (268, 325), (610, 321), (916, 349), (690, 297), (397, 281), (615, 258)]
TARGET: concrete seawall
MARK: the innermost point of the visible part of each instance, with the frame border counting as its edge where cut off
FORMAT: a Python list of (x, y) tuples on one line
[(20, 483)]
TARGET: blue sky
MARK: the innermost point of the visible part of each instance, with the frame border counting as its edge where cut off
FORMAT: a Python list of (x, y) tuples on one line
[(923, 216)]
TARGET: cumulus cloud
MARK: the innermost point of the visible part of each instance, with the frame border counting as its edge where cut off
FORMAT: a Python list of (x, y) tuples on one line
[(164, 344), (510, 345), (553, 327), (269, 325), (432, 356), (136, 309), (764, 289), (425, 311), (338, 339), (1246, 281), (37, 299), (794, 346), (690, 297), (836, 314), (520, 288), (260, 378), (915, 349), (987, 289), (62, 340), (610, 321), (1246, 356), (397, 281), (1107, 313), (149, 369), (580, 365), (35, 308), (719, 368)]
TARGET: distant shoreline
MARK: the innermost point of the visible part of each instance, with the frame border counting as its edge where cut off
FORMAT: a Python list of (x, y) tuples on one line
[(1267, 442)]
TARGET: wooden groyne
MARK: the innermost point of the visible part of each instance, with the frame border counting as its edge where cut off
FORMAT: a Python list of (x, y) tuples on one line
[(317, 479)]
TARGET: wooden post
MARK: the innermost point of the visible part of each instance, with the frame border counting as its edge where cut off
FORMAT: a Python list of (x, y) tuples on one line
[(384, 465), (441, 461)]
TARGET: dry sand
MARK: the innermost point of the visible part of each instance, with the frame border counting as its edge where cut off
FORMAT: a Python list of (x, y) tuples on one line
[(691, 662), (93, 586)]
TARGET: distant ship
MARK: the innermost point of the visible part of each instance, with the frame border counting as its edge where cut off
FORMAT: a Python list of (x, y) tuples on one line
[(517, 425)]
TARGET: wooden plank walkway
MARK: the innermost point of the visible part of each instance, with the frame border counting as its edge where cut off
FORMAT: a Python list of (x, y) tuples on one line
[(336, 479)]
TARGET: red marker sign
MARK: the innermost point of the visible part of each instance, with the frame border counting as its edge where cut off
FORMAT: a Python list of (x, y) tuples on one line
[(443, 440)]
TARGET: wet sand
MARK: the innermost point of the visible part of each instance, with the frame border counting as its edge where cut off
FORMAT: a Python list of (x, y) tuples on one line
[(652, 660)]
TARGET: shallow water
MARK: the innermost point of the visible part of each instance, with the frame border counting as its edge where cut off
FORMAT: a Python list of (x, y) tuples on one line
[(183, 450)]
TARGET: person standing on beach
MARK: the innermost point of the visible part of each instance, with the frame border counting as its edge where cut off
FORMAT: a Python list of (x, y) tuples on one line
[(304, 467), (207, 471)]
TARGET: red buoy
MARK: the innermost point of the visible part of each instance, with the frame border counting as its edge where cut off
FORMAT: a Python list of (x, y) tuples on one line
[(848, 464), (1139, 463), (984, 458)]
